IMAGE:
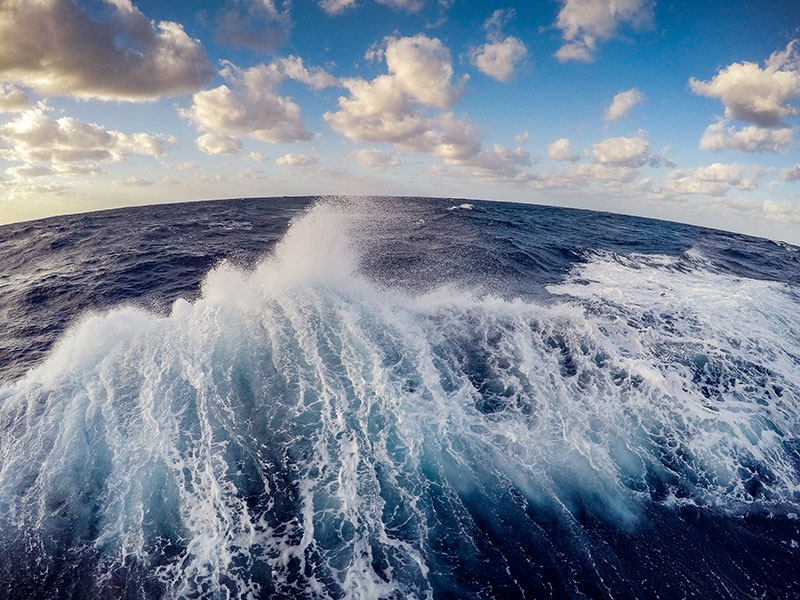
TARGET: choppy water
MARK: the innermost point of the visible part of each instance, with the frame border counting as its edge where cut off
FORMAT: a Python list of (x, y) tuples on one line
[(396, 398)]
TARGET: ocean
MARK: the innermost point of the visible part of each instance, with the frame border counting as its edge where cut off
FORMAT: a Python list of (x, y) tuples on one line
[(396, 398)]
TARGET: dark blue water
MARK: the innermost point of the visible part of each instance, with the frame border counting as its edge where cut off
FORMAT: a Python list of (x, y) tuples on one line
[(396, 398)]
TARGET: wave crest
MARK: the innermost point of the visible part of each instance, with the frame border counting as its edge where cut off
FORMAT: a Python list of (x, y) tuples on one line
[(299, 429)]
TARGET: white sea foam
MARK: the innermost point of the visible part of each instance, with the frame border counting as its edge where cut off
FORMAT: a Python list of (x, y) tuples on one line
[(299, 418)]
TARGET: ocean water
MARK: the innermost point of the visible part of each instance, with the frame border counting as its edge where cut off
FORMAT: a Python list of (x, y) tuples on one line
[(396, 398)]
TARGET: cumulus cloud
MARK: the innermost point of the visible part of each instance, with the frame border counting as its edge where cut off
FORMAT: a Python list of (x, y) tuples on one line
[(791, 174), (12, 98), (251, 106), (714, 180), (292, 67), (29, 171), (420, 68), (254, 24), (395, 107), (499, 56), (499, 59), (615, 179), (622, 151), (335, 7), (496, 162), (560, 150), (761, 96), (373, 158), (622, 104), (57, 48), (76, 170), (583, 23), (217, 143), (35, 137), (409, 5), (616, 164), (25, 172), (607, 172), (296, 160), (721, 135), (386, 109)]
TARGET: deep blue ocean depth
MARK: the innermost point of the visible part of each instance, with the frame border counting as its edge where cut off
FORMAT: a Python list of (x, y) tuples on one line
[(396, 398)]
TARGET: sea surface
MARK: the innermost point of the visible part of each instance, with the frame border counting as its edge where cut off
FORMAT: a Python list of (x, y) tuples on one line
[(396, 398)]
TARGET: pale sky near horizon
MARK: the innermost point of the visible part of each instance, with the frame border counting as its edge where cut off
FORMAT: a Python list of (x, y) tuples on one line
[(679, 110)]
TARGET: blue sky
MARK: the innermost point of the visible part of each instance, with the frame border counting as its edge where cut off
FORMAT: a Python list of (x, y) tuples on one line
[(678, 110)]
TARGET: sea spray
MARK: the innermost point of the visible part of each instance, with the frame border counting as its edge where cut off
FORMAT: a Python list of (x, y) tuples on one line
[(301, 429)]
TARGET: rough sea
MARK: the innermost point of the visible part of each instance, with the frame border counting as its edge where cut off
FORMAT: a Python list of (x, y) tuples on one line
[(396, 398)]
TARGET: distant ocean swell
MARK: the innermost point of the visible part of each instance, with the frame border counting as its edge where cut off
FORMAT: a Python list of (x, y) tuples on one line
[(304, 430)]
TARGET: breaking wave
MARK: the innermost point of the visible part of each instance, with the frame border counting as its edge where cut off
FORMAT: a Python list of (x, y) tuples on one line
[(301, 430)]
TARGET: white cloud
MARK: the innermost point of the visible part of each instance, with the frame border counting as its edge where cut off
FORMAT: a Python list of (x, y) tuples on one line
[(57, 48), (12, 98), (213, 179), (408, 5), (254, 111), (786, 212), (218, 143), (77, 170), (296, 160), (609, 172), (254, 24), (791, 174), (308, 164), (335, 7), (35, 137), (493, 26), (251, 174), (560, 150), (21, 192), (577, 51), (762, 96), (373, 158), (583, 23), (385, 109), (292, 67), (622, 151), (616, 165), (719, 136), (496, 162), (390, 109), (499, 59), (134, 181), (252, 107), (499, 56), (420, 67), (787, 59), (29, 171), (614, 179), (622, 104), (714, 180), (23, 172)]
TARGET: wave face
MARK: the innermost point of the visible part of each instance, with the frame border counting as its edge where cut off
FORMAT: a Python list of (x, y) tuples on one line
[(407, 401)]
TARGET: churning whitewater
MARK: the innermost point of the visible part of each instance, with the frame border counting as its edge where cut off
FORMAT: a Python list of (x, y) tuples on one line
[(369, 412)]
